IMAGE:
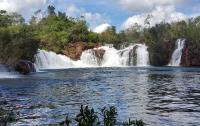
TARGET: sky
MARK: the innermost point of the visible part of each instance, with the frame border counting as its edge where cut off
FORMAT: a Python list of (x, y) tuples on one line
[(101, 14)]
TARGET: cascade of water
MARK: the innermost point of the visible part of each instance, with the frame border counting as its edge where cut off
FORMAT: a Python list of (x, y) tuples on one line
[(142, 55), (177, 54), (51, 60), (136, 54), (89, 59), (128, 56), (111, 57)]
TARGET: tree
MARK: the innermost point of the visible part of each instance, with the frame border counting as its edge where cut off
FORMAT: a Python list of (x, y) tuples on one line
[(147, 20), (4, 19), (51, 10), (109, 36), (16, 18), (79, 32)]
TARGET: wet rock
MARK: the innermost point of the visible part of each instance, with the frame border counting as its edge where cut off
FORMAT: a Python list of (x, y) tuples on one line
[(24, 67), (133, 56), (99, 53)]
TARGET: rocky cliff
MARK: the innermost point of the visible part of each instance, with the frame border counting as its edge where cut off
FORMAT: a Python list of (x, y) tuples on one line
[(191, 54)]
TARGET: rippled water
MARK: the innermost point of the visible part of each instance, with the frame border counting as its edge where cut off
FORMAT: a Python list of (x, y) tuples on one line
[(161, 96)]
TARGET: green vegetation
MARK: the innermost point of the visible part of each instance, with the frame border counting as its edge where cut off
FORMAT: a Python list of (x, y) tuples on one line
[(109, 36), (86, 117), (6, 117), (106, 117), (19, 40), (57, 30), (163, 31), (16, 39), (158, 37)]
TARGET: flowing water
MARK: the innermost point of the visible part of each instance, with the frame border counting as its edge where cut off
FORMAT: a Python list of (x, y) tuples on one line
[(161, 96), (177, 54), (111, 58)]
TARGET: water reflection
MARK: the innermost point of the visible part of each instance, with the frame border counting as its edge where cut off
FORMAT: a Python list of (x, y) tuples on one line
[(174, 98)]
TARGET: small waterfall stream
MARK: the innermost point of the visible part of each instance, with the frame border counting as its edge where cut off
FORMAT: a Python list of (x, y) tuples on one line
[(142, 55), (134, 55), (177, 54)]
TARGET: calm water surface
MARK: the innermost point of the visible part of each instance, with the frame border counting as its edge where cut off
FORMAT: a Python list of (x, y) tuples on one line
[(161, 96)]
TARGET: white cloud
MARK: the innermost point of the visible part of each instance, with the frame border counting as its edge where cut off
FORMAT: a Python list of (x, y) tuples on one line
[(167, 14), (159, 11), (146, 5), (101, 28), (94, 19), (22, 6), (73, 11)]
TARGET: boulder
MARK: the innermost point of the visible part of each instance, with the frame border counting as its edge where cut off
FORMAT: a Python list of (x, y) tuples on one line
[(99, 52), (24, 67)]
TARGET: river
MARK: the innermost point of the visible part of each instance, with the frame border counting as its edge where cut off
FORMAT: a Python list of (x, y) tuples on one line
[(160, 96)]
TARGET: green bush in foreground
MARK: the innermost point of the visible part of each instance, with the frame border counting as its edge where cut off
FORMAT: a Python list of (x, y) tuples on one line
[(106, 117), (6, 117)]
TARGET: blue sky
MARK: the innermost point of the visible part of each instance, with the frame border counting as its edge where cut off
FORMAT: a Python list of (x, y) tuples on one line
[(121, 13)]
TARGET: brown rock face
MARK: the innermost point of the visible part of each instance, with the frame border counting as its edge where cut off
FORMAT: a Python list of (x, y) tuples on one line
[(74, 50), (191, 54), (99, 53), (170, 47)]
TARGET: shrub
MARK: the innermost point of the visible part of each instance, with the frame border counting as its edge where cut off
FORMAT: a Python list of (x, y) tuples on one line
[(106, 117)]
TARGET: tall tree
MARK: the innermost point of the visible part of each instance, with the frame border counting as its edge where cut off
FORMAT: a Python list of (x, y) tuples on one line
[(51, 10)]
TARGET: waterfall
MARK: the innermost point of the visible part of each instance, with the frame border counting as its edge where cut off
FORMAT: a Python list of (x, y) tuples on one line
[(111, 57), (134, 55), (177, 54), (129, 56), (51, 60), (142, 55), (89, 59)]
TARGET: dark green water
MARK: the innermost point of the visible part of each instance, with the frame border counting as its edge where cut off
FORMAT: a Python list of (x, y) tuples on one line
[(161, 96)]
